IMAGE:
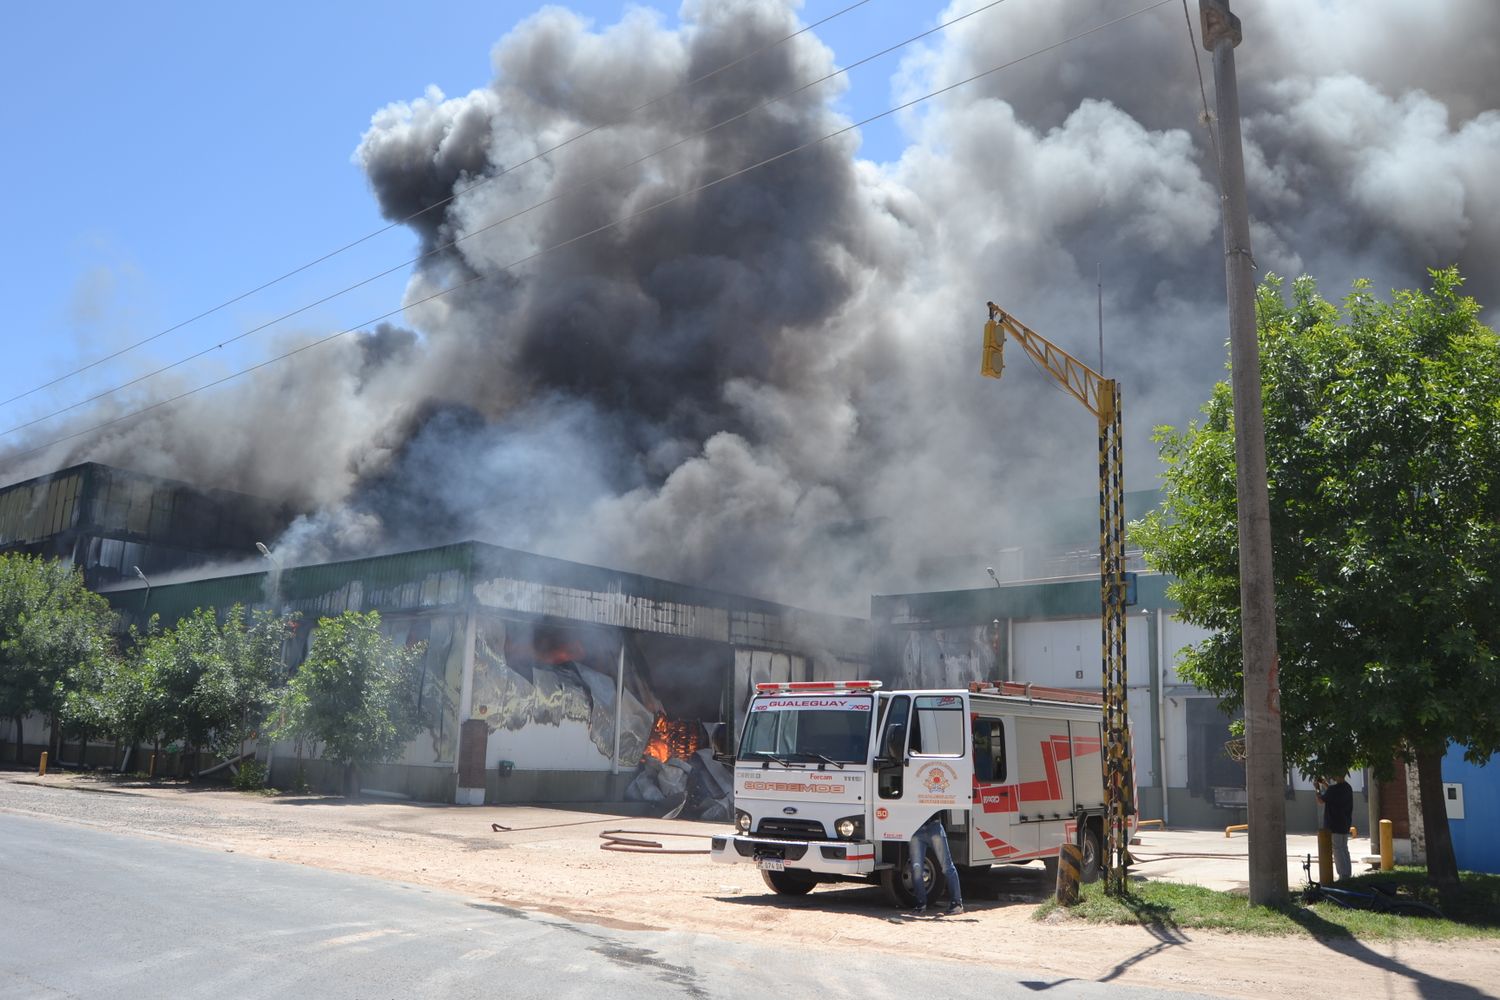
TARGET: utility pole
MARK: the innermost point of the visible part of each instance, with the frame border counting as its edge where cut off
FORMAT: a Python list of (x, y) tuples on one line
[(1264, 772)]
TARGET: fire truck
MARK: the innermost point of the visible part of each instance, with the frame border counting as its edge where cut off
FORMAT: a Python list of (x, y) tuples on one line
[(831, 779)]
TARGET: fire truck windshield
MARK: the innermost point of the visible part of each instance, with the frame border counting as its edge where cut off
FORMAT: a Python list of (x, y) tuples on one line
[(830, 730)]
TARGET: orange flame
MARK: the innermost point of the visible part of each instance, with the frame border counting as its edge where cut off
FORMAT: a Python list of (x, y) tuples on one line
[(673, 739)]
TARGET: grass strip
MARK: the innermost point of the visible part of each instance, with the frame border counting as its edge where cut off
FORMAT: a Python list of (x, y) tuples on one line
[(1472, 914)]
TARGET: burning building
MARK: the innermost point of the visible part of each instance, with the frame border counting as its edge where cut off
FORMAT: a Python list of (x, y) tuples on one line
[(545, 680)]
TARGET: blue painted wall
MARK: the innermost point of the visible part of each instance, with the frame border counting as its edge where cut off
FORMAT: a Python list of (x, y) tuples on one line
[(1474, 840)]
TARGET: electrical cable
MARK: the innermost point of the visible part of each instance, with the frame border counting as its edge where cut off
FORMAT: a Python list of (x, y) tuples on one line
[(437, 204), (584, 235), (491, 225)]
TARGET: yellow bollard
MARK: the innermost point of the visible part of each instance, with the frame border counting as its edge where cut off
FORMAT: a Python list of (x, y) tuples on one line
[(1238, 828), (1387, 846), (41, 767), (1325, 857), (1069, 872)]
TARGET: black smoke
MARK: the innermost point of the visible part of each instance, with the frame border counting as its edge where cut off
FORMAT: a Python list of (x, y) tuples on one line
[(770, 384)]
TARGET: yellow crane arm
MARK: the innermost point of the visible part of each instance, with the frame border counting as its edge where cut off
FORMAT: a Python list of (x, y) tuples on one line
[(1086, 385), (1102, 397)]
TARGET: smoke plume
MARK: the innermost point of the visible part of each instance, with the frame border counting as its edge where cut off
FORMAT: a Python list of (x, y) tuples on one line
[(770, 385)]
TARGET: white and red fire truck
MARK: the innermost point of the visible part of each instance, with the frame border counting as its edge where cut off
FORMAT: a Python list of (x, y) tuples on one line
[(832, 778)]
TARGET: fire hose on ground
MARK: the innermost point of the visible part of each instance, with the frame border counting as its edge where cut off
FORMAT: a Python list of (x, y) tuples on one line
[(1137, 859), (629, 841)]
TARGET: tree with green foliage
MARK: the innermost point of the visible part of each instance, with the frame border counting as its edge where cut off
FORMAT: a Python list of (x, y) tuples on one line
[(356, 693), (87, 707), (207, 682), (136, 710), (1383, 444), (51, 625)]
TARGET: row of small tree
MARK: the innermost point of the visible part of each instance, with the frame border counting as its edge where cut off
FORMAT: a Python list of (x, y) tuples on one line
[(209, 683)]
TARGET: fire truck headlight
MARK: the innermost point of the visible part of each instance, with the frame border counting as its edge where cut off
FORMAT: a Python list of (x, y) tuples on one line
[(850, 827), (742, 821)]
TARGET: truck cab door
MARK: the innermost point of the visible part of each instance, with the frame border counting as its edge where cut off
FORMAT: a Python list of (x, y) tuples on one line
[(935, 772), (890, 750)]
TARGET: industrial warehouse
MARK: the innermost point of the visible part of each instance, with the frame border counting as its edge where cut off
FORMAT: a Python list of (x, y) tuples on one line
[(545, 680)]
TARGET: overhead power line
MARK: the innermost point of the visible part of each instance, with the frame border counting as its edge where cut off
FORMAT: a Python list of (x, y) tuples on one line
[(423, 211), (435, 251), (592, 232), (1207, 119)]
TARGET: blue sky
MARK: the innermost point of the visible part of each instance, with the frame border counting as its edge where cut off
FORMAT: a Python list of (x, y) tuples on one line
[(167, 157)]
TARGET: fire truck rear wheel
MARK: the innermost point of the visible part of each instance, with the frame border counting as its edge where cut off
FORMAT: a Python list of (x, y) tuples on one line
[(897, 881), (789, 883), (1093, 854)]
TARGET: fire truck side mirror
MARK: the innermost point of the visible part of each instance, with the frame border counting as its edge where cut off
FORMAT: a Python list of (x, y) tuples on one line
[(895, 742)]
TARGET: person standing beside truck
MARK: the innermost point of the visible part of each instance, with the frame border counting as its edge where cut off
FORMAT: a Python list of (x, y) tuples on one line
[(1338, 813), (932, 835)]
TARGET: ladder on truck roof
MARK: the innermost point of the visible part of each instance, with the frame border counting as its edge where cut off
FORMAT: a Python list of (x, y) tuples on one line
[(1037, 692)]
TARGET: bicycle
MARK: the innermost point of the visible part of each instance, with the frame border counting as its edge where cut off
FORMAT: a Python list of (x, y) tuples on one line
[(1379, 898)]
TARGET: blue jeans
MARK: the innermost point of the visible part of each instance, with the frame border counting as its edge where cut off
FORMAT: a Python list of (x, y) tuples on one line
[(932, 835)]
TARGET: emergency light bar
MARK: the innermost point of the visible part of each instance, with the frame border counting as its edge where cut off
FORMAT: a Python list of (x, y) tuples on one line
[(818, 686)]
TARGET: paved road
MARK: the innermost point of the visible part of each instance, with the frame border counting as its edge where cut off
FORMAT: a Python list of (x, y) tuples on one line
[(98, 914)]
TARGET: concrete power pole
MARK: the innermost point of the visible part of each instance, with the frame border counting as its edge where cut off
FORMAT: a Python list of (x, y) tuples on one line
[(1264, 773)]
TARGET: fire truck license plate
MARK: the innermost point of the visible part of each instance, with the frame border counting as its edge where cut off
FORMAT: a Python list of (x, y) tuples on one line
[(772, 865)]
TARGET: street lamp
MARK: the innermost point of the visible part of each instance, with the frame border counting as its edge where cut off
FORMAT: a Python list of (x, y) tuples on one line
[(274, 579), (147, 602), (995, 632)]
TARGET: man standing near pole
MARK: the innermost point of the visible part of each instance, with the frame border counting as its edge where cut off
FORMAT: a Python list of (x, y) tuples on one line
[(1338, 815)]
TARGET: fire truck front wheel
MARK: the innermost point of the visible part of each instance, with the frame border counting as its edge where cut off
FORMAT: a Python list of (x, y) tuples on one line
[(789, 883), (898, 885)]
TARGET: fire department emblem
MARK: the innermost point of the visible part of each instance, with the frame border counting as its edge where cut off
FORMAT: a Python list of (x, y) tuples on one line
[(935, 780)]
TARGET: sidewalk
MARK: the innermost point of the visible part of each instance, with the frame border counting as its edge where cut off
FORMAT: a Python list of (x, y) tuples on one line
[(1209, 859)]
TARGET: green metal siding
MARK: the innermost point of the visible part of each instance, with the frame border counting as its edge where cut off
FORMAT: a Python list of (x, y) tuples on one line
[(1061, 599), (446, 578)]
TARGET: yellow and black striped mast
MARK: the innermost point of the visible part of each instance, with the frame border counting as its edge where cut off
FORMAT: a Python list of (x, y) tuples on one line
[(1102, 398)]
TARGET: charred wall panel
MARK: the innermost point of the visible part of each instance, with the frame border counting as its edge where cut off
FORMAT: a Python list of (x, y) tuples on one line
[(604, 607), (940, 657), (531, 677)]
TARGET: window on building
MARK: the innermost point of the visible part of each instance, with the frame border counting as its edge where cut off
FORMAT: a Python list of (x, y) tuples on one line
[(1209, 765)]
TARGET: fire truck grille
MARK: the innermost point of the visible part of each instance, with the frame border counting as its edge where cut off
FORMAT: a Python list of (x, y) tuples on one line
[(792, 829)]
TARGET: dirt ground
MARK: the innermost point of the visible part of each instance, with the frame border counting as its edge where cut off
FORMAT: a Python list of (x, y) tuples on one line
[(546, 859)]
